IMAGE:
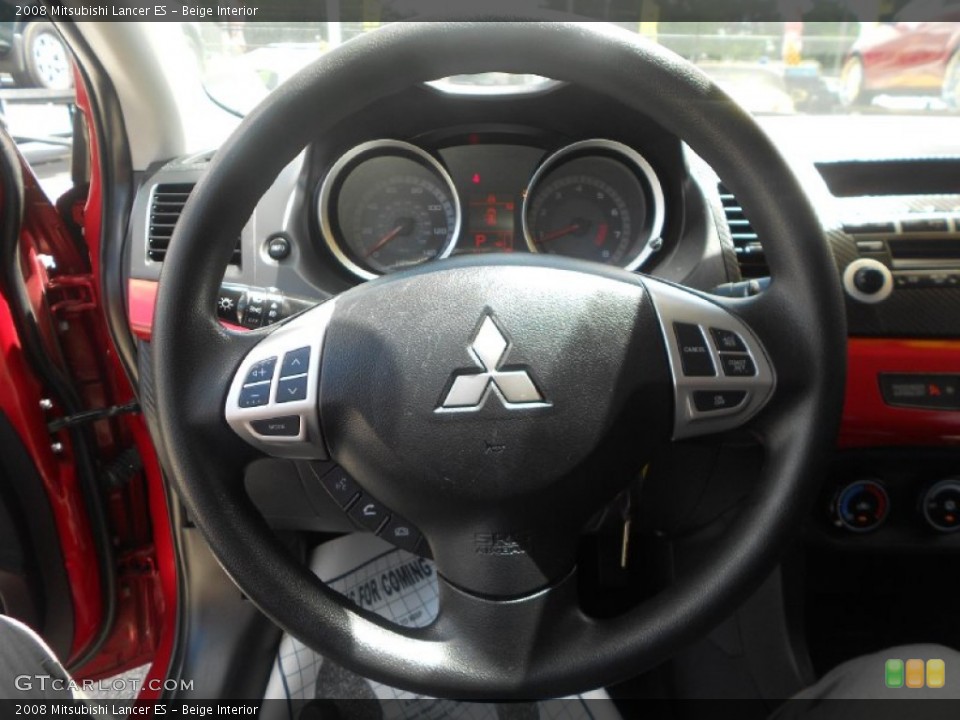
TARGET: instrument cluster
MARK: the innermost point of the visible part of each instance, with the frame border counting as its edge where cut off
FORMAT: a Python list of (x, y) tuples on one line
[(387, 205)]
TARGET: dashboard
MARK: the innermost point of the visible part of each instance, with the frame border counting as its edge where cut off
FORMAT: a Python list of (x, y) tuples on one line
[(388, 205)]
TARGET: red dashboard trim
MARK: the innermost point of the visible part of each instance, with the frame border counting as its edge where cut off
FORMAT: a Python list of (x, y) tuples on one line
[(868, 421)]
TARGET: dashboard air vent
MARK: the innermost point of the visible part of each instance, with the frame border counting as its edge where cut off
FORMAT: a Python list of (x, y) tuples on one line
[(747, 244), (165, 208)]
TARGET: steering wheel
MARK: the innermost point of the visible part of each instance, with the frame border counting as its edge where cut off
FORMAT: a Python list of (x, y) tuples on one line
[(574, 373)]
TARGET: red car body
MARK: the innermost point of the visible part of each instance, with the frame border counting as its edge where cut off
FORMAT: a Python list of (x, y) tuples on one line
[(908, 57)]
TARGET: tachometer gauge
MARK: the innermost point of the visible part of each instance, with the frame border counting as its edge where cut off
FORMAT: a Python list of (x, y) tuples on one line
[(595, 200), (388, 205)]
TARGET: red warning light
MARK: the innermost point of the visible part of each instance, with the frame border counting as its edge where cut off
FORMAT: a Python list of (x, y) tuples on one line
[(934, 390), (476, 178)]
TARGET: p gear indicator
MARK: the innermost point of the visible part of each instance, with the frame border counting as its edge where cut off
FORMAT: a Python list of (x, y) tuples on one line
[(491, 222)]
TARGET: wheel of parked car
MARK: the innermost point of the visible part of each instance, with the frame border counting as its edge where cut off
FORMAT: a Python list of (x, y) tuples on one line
[(46, 58), (951, 82), (582, 373), (852, 81)]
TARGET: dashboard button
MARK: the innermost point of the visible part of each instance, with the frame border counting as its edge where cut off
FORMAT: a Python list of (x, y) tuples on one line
[(712, 400), (261, 371), (292, 389), (369, 513), (941, 506), (295, 362), (725, 340), (924, 225), (737, 365), (694, 353), (341, 487), (254, 395), (401, 533), (278, 247), (934, 392), (286, 426)]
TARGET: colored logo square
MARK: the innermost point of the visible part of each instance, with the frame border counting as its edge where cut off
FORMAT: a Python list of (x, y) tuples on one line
[(936, 674), (893, 673), (915, 673)]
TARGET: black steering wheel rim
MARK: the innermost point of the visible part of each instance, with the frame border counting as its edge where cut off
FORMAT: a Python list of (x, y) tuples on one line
[(800, 318)]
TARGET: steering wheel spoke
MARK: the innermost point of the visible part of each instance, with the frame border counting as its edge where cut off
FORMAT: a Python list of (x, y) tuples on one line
[(722, 375), (273, 399)]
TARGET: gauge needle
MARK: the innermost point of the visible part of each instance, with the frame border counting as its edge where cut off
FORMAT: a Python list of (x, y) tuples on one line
[(568, 230), (388, 237)]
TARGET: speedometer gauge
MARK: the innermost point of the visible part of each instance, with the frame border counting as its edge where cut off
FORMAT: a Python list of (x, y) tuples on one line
[(388, 205), (595, 200)]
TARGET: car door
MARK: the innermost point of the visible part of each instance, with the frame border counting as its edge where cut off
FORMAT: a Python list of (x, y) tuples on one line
[(76, 560)]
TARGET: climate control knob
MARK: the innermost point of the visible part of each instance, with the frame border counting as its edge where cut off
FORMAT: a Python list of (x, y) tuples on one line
[(940, 505), (861, 506)]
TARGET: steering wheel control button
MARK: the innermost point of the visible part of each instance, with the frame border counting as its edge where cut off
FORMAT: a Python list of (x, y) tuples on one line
[(727, 341), (861, 506), (292, 389), (295, 362), (257, 395), (694, 353), (278, 247), (941, 505), (714, 401), (261, 372), (401, 533), (342, 488), (286, 426), (369, 513), (737, 365)]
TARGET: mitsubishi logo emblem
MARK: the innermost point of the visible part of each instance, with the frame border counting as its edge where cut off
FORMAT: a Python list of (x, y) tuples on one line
[(469, 389)]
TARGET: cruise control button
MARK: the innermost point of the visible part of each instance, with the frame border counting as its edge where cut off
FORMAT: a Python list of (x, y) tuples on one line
[(254, 395), (727, 341), (369, 513), (401, 533), (694, 354), (295, 362), (261, 371), (292, 389), (286, 426), (738, 365), (341, 486), (710, 400)]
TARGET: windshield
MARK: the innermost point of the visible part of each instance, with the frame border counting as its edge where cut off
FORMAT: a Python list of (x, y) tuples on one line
[(781, 68)]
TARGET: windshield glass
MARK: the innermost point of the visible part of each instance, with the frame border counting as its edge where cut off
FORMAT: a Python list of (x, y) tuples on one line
[(782, 68)]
